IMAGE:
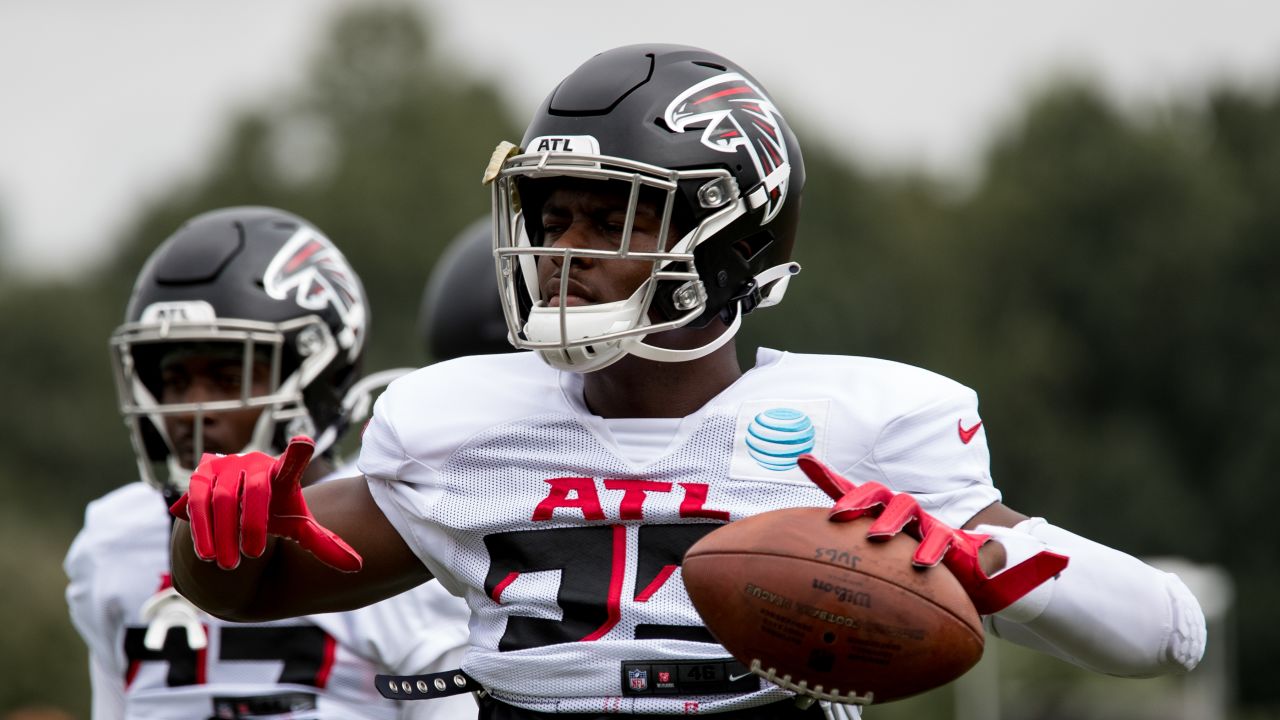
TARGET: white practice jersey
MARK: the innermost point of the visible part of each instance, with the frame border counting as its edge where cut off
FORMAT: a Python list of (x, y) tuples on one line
[(567, 544), (317, 667)]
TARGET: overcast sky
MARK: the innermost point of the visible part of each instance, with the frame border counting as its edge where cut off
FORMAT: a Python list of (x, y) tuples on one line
[(105, 103)]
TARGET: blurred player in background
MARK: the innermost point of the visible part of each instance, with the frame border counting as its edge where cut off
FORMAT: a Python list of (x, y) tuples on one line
[(461, 313), (245, 327), (653, 203)]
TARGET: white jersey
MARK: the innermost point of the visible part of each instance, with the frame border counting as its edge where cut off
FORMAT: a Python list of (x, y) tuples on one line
[(567, 543), (318, 667)]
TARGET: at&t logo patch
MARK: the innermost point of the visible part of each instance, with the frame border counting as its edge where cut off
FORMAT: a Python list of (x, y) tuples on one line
[(776, 437), (772, 434)]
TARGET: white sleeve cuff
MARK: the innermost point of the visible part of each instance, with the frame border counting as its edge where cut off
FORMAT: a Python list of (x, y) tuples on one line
[(1107, 611), (1019, 545)]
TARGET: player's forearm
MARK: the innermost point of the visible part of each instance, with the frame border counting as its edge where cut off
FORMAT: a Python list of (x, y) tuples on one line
[(287, 580), (227, 594), (1107, 611)]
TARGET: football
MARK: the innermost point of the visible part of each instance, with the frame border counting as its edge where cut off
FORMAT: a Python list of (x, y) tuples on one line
[(815, 607)]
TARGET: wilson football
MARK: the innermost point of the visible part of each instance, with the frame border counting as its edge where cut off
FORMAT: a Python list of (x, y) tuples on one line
[(815, 607)]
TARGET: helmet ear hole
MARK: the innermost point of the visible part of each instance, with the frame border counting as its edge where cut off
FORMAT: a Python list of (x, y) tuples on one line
[(752, 247)]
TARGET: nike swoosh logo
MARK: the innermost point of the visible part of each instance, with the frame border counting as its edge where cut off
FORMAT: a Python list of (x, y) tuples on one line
[(735, 678), (967, 435)]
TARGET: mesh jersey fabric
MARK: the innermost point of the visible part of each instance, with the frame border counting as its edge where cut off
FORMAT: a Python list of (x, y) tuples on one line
[(518, 499)]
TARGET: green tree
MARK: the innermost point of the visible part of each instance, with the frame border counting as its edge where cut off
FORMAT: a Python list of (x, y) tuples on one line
[(6, 248), (1107, 286), (383, 149)]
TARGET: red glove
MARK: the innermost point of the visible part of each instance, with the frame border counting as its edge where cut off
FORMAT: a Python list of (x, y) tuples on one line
[(236, 501), (939, 542)]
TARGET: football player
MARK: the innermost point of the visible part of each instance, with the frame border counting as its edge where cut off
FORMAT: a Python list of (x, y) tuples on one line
[(651, 205), (245, 327), (461, 313)]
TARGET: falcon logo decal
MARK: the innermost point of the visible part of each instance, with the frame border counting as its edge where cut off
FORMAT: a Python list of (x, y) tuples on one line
[(737, 116), (310, 267)]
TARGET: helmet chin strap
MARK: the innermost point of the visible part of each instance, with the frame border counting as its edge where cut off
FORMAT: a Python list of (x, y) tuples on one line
[(778, 275), (651, 352)]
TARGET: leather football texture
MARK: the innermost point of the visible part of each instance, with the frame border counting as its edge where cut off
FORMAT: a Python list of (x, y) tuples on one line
[(819, 609)]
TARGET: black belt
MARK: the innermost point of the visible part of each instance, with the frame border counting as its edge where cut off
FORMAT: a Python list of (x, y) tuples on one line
[(645, 677), (425, 687), (493, 709), (294, 704)]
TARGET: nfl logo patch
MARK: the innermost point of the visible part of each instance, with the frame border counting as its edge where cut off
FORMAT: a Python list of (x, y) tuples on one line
[(639, 679)]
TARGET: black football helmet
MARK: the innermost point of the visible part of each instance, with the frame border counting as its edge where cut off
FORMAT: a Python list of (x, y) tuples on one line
[(688, 127), (461, 313), (261, 283)]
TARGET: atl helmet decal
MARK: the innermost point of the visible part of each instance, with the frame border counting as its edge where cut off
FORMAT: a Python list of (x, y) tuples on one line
[(738, 115), (310, 266)]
